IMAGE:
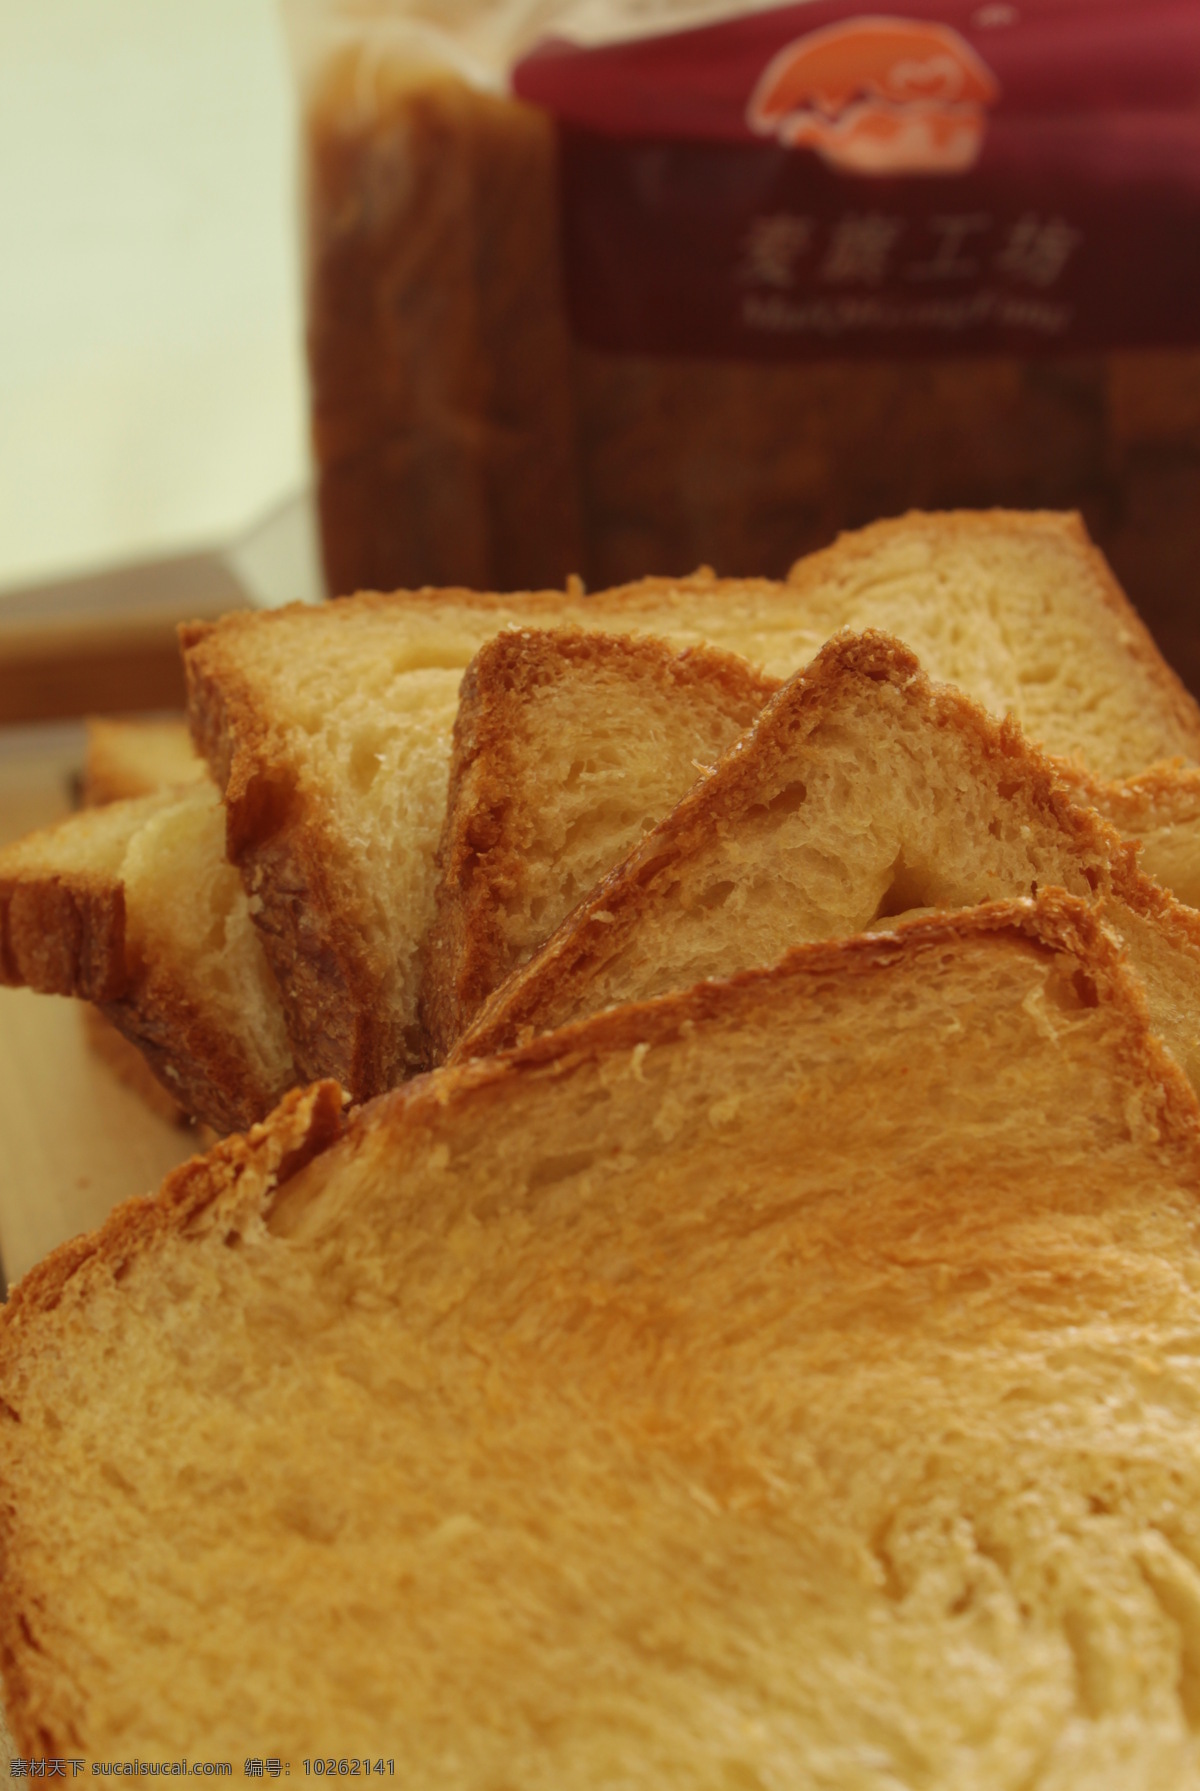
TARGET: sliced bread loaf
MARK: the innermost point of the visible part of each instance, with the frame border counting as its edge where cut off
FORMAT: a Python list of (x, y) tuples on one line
[(329, 733), (863, 791), (133, 906), (786, 1383), (329, 729), (568, 746)]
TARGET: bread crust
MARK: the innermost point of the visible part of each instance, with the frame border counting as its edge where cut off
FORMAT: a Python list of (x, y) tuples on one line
[(493, 790), (199, 1064), (64, 934), (545, 992), (280, 842)]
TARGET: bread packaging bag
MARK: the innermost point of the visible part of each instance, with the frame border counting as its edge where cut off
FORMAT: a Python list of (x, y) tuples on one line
[(611, 289)]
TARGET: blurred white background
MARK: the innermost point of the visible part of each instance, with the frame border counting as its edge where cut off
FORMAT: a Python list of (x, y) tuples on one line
[(151, 371)]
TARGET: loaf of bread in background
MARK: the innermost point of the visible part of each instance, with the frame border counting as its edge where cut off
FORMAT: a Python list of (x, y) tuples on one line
[(438, 349), (862, 792), (447, 393), (786, 1375)]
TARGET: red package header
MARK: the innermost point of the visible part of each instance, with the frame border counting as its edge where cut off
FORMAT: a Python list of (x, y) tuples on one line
[(813, 179)]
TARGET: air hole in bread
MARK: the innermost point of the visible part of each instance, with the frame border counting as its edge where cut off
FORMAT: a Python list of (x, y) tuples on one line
[(560, 1168), (602, 822), (305, 1518), (716, 894), (116, 1479), (1069, 994), (365, 761), (599, 763), (740, 1775), (788, 800), (1085, 989), (908, 888)]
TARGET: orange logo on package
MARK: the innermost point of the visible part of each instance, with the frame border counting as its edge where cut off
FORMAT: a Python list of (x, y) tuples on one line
[(878, 96)]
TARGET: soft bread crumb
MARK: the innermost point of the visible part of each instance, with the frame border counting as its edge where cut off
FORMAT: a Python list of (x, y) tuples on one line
[(821, 1447)]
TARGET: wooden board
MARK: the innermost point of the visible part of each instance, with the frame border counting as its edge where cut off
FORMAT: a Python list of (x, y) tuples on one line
[(73, 1140), (106, 643)]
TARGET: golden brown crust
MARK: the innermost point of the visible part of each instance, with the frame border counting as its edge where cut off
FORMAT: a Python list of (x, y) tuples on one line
[(1163, 795), (282, 847), (543, 992), (493, 787), (64, 934), (199, 1063), (286, 852)]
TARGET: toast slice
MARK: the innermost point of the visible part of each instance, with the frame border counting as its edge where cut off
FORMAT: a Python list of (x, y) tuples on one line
[(1160, 810), (135, 758), (1019, 610), (568, 747), (126, 758), (862, 792), (133, 906), (329, 729), (785, 1382)]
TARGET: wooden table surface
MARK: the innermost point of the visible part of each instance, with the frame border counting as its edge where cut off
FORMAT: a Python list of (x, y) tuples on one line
[(73, 1140)]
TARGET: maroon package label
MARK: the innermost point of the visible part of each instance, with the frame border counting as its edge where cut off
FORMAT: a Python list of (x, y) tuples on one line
[(813, 179)]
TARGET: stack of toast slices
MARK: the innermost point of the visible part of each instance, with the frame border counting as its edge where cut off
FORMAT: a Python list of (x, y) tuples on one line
[(703, 1281), (299, 912)]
